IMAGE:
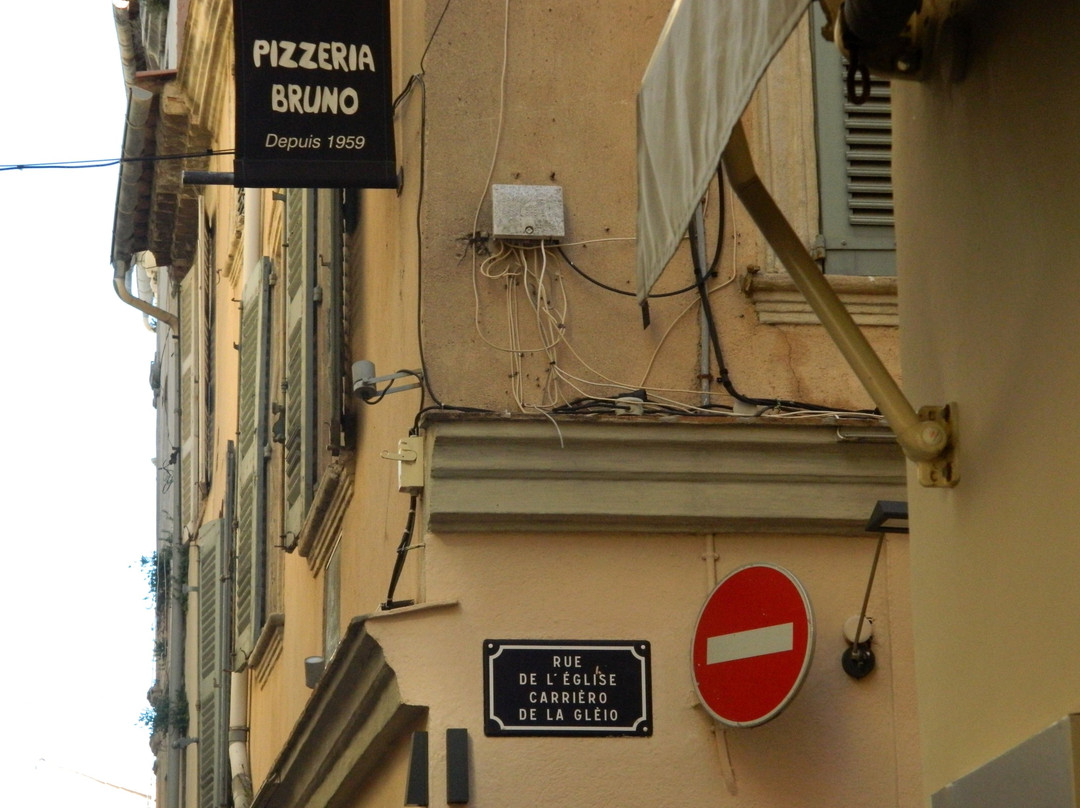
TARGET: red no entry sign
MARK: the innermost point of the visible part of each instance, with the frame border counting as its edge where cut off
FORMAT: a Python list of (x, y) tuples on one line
[(752, 645)]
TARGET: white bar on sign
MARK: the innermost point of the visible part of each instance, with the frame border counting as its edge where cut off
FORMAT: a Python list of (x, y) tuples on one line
[(752, 643)]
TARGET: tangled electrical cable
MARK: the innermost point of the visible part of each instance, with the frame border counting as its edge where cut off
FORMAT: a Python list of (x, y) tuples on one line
[(536, 297)]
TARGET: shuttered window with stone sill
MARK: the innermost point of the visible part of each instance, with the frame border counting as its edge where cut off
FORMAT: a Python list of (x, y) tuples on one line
[(313, 387), (251, 451), (196, 374), (213, 684), (854, 154)]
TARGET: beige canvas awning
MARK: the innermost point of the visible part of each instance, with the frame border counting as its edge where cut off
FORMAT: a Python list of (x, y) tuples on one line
[(709, 59)]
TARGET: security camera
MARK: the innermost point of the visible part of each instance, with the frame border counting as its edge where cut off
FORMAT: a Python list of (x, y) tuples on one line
[(363, 379)]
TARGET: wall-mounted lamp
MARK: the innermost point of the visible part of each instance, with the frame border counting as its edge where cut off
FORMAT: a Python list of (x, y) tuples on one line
[(313, 670), (889, 516), (365, 381)]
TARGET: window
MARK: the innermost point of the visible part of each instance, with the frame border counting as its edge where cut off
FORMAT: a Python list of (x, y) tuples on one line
[(854, 144), (300, 393), (291, 394), (313, 385), (196, 373), (213, 693), (251, 482)]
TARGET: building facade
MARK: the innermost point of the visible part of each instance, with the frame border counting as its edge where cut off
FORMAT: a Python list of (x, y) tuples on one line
[(348, 563), (996, 552)]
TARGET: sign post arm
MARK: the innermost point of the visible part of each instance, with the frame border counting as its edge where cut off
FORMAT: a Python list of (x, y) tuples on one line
[(926, 438)]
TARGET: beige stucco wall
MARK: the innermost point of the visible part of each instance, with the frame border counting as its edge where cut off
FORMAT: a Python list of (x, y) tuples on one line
[(987, 199), (572, 74), (652, 587)]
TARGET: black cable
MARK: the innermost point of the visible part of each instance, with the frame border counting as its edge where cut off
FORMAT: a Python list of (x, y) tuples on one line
[(712, 266), (399, 562), (445, 408), (724, 376), (425, 379), (435, 30), (418, 78), (602, 285), (380, 395)]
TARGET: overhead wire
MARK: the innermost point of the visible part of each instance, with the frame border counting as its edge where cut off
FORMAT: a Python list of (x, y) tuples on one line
[(113, 161), (417, 79)]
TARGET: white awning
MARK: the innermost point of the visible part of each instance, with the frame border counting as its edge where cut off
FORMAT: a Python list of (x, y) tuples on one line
[(709, 59)]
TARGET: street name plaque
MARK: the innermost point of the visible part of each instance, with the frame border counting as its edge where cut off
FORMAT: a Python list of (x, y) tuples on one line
[(586, 688)]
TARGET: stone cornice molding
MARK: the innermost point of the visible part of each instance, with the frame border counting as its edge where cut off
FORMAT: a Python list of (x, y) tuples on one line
[(621, 473)]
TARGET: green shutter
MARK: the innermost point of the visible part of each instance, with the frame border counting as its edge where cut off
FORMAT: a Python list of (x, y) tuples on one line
[(854, 144), (188, 434), (336, 327), (251, 458), (213, 698), (196, 296), (300, 386)]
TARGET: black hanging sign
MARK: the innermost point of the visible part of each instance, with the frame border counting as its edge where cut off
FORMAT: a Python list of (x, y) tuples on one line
[(590, 688), (313, 94)]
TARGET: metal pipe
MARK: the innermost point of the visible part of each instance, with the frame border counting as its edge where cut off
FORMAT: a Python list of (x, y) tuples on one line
[(239, 755), (238, 737), (177, 627), (920, 440), (175, 650), (697, 247), (120, 273)]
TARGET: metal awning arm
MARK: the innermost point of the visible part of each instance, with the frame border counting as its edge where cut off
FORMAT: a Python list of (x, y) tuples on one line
[(927, 437)]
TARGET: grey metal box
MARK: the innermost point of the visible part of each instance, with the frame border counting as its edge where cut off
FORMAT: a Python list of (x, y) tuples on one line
[(527, 211)]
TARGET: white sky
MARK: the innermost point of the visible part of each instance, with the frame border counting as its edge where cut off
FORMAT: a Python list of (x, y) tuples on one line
[(75, 462)]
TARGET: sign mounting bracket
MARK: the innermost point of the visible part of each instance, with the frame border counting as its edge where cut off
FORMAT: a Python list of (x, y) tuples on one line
[(928, 438)]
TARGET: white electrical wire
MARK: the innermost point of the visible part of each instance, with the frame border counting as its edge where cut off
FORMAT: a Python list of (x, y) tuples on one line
[(510, 264)]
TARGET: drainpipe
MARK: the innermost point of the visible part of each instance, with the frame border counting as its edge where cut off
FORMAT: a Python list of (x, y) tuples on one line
[(120, 284), (175, 646), (175, 639), (238, 737), (239, 757), (697, 245)]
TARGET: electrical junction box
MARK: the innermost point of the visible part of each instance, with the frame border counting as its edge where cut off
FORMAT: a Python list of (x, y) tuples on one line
[(410, 457), (533, 212)]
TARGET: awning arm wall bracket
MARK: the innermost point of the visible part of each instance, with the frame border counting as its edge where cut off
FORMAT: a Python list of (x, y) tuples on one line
[(927, 438)]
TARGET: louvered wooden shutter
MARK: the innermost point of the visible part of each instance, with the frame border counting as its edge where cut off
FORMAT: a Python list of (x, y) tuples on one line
[(195, 340), (336, 309), (251, 458), (300, 386), (188, 434), (204, 317), (213, 699), (854, 144)]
